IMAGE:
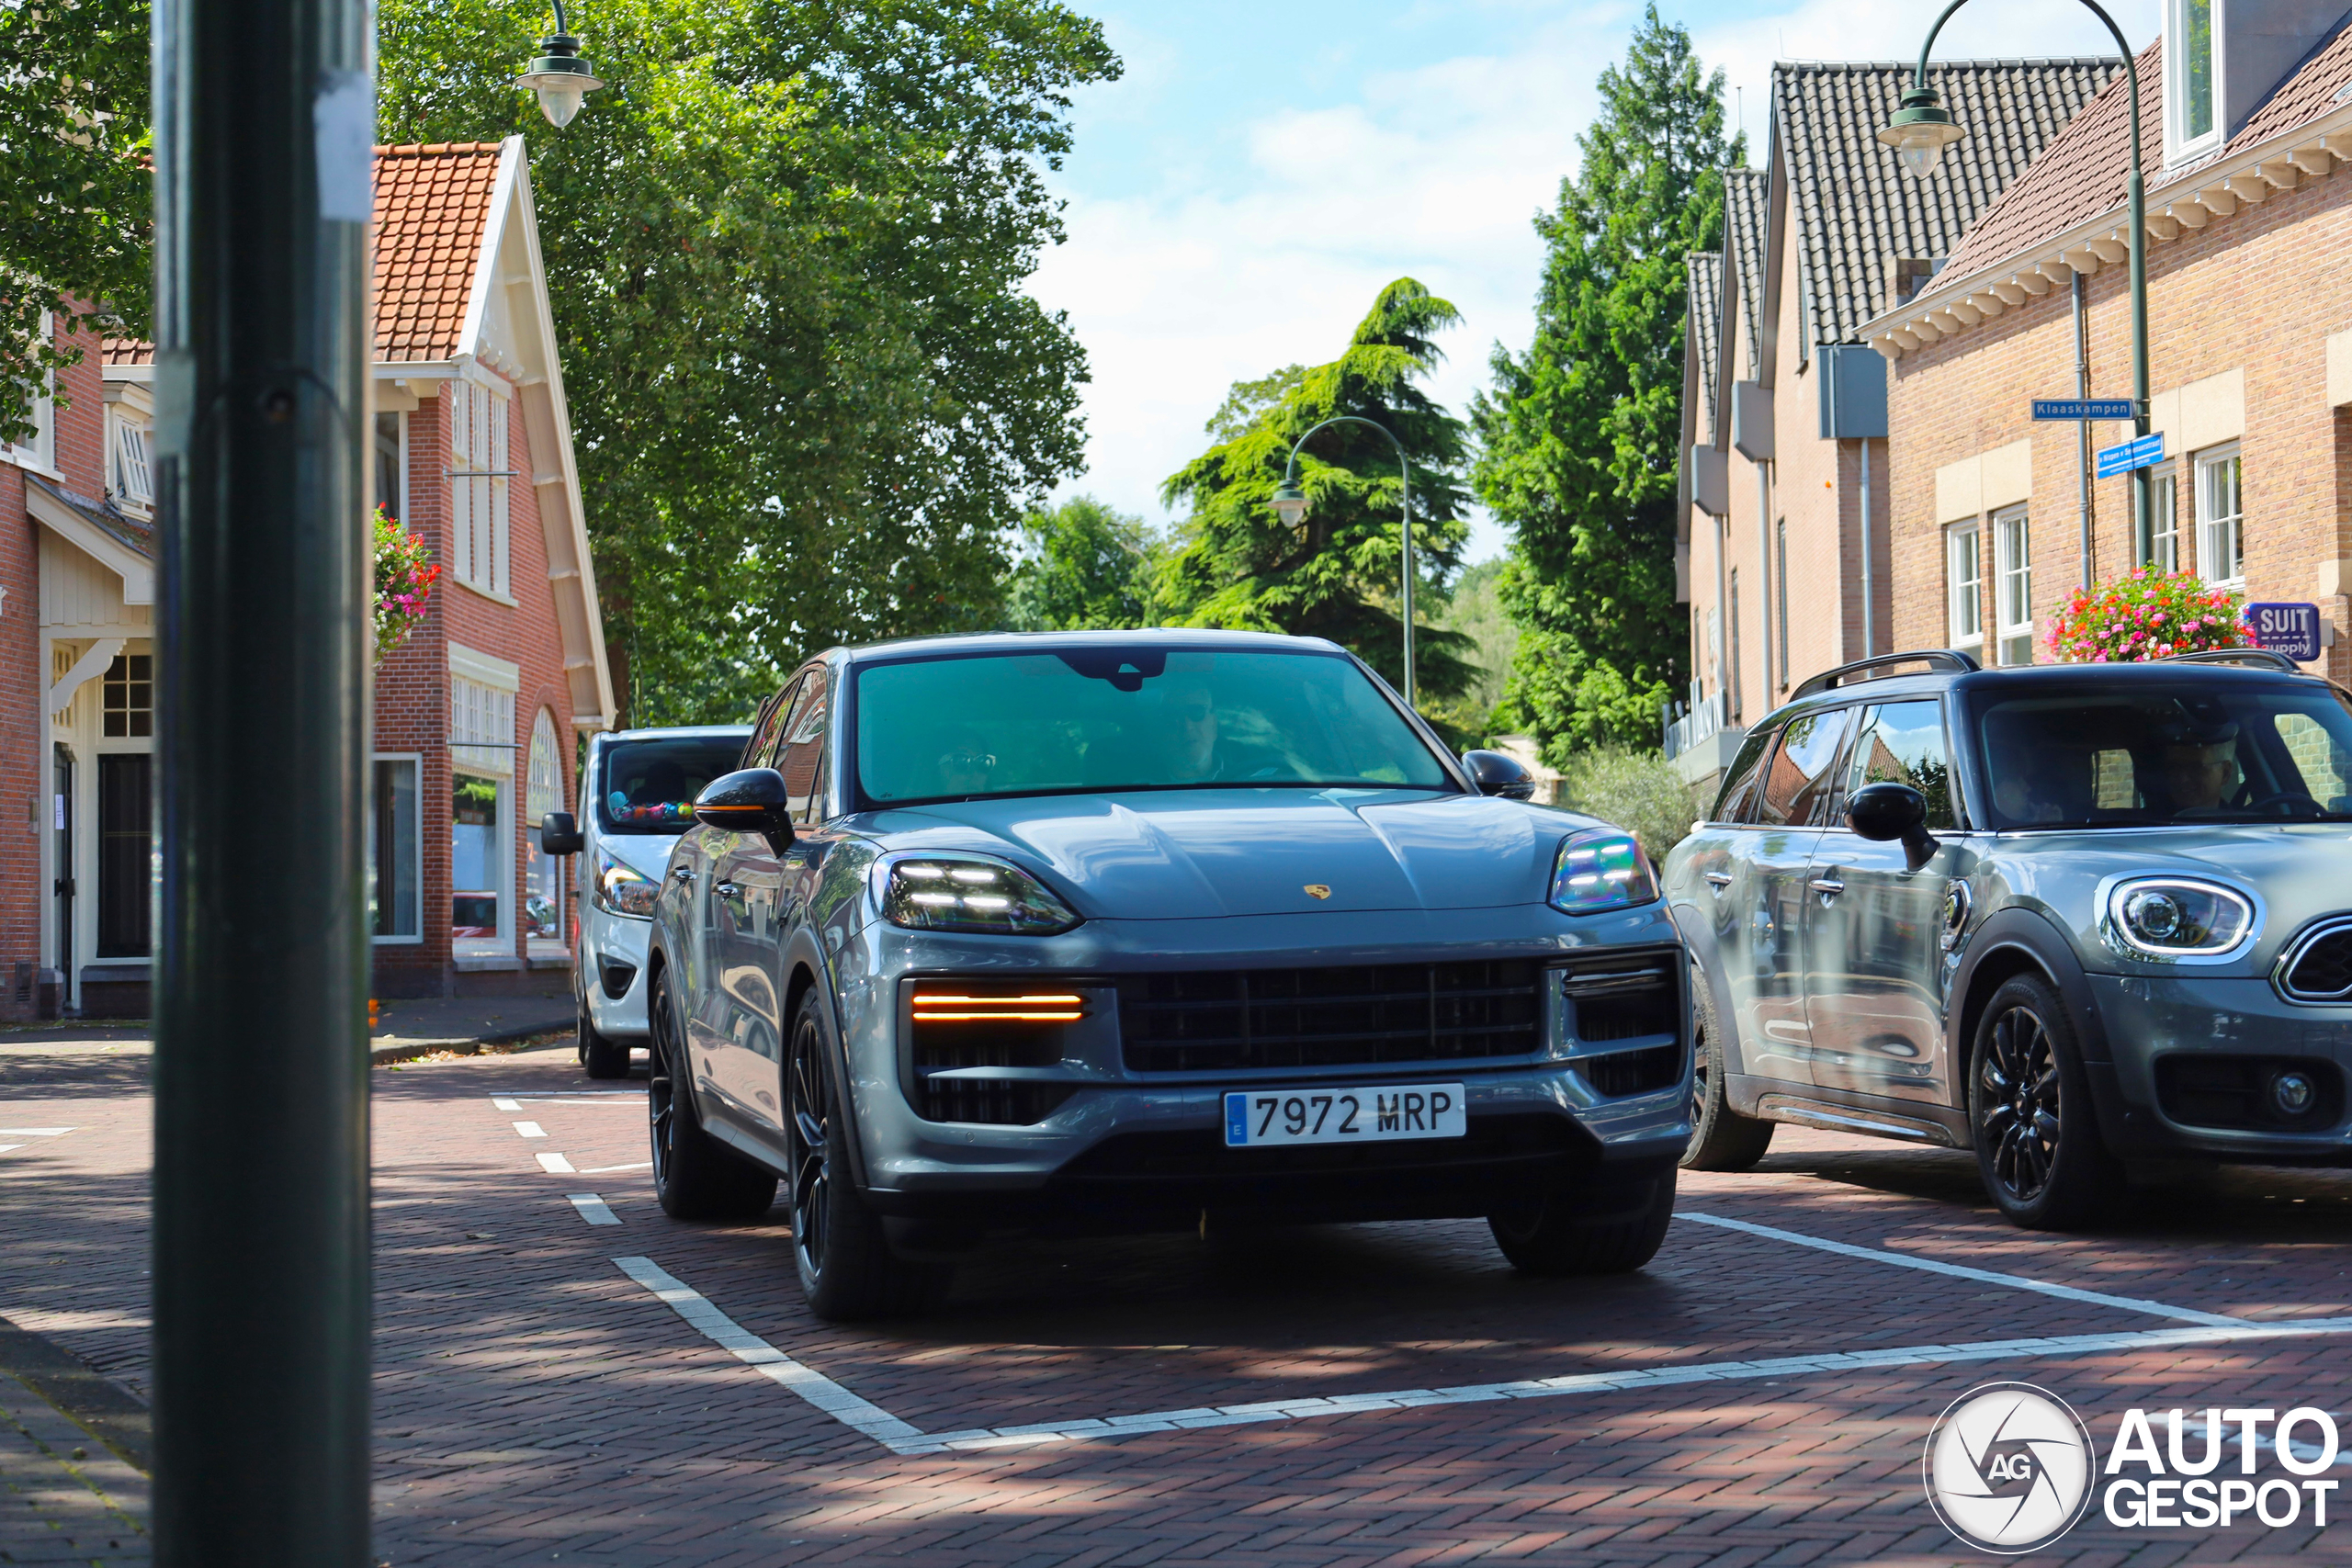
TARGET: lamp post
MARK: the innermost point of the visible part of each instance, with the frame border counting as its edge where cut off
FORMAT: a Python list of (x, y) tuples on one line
[(1923, 128), (1289, 505), (559, 76)]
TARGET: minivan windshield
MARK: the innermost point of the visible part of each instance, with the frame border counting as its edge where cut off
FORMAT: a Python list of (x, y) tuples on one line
[(954, 728), (2141, 755), (649, 786)]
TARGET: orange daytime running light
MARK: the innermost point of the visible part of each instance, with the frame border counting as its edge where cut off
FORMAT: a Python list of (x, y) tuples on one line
[(1018, 1009)]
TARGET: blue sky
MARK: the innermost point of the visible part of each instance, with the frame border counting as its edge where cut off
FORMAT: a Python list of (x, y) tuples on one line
[(1236, 200)]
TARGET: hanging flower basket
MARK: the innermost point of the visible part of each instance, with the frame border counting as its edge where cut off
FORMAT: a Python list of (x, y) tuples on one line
[(2147, 614), (405, 573)]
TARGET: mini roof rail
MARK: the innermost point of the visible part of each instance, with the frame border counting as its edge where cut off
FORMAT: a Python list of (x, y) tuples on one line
[(2260, 658), (1936, 658)]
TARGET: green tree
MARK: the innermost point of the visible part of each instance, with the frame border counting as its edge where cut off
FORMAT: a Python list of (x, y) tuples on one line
[(1579, 434), (76, 207), (1083, 567), (1338, 575)]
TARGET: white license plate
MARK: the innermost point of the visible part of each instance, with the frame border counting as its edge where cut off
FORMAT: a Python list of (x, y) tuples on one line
[(1349, 1114)]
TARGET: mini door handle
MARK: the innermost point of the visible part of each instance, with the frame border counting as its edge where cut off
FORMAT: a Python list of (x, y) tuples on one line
[(1719, 878)]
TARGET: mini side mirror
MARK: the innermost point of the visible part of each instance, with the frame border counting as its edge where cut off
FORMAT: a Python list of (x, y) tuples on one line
[(1887, 811), (1497, 773), (750, 801), (560, 834)]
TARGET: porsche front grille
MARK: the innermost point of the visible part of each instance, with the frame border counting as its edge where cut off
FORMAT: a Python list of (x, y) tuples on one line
[(1243, 1020)]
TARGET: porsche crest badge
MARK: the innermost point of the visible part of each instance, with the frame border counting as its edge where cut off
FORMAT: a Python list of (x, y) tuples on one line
[(1319, 890)]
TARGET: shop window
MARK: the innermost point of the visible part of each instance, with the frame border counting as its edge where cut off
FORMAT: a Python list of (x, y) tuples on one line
[(476, 864), (129, 695), (388, 465), (126, 852), (1964, 586), (395, 862), (2220, 522), (479, 478), (543, 897), (2013, 591)]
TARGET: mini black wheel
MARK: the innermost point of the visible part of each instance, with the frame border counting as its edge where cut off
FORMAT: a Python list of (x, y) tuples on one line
[(1602, 1225), (2038, 1144), (600, 1056), (847, 1271), (1721, 1138), (695, 1176)]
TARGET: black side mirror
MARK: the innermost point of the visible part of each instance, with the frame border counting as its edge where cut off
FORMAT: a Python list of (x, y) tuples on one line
[(1497, 773), (750, 801), (1886, 811), (558, 834)]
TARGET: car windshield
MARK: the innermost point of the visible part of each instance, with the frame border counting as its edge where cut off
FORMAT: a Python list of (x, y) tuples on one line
[(1126, 719), (2143, 755), (649, 786)]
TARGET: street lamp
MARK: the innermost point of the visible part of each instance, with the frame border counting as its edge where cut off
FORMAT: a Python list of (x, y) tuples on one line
[(1289, 505), (558, 76), (1923, 128)]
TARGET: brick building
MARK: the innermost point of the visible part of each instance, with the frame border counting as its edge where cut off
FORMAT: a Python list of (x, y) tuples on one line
[(476, 715), (1785, 404), (2246, 113)]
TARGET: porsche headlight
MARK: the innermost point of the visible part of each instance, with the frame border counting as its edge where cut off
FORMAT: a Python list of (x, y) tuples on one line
[(622, 889), (970, 893), (2171, 916), (1599, 870)]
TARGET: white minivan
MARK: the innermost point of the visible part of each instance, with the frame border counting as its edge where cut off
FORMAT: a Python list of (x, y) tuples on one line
[(637, 794)]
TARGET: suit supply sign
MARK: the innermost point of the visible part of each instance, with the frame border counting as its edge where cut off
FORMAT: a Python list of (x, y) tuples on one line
[(2290, 630)]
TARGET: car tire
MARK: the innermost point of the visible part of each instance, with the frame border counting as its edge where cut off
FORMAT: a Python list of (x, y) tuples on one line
[(1586, 1226), (599, 1057), (839, 1250), (695, 1177), (1721, 1138), (2037, 1137)]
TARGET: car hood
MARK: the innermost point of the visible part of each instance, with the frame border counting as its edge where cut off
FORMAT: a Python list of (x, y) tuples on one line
[(1181, 854)]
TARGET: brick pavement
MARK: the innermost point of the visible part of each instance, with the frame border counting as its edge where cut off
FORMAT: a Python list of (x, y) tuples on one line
[(534, 1404)]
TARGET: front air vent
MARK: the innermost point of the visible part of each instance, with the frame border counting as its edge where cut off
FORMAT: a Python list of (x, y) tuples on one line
[(1625, 997), (958, 1027), (2317, 968)]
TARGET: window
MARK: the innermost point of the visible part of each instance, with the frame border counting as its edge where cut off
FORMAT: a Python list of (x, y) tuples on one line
[(478, 487), (1781, 594), (2013, 589), (1799, 775), (1964, 583), (1903, 743), (477, 864), (481, 726), (128, 696), (1740, 780), (395, 868), (2164, 542), (388, 468), (1734, 617), (804, 752), (2191, 79), (2221, 534), (543, 879), (38, 450), (126, 852), (128, 475)]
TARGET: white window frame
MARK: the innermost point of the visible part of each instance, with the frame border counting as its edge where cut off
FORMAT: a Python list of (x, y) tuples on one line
[(2220, 537), (416, 811), (2164, 542), (40, 453), (535, 806), (128, 472), (480, 500), (2180, 146), (1965, 590), (2012, 567), (481, 743), (502, 840)]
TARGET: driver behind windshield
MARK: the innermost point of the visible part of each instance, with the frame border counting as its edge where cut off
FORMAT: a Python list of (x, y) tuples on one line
[(2200, 767)]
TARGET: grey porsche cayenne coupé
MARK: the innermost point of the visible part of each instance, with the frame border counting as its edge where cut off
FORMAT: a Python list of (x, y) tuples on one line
[(1120, 932)]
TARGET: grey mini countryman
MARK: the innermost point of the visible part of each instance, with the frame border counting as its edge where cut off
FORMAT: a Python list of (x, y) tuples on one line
[(2068, 916)]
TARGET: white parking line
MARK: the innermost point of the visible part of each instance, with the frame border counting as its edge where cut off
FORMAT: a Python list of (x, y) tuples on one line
[(34, 1131), (607, 1169), (555, 1165), (592, 1209), (815, 1387), (901, 1438), (505, 1103), (1960, 1272), (530, 1129)]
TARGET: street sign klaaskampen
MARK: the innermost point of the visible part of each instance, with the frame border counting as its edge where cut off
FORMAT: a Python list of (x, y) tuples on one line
[(2082, 408), (2290, 630), (2140, 454)]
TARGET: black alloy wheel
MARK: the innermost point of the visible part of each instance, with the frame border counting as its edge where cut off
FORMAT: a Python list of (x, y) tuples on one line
[(809, 1104), (695, 1177), (2038, 1143), (2018, 1095), (661, 1101)]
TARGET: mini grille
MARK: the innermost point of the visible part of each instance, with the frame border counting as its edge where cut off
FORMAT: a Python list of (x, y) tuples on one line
[(2322, 967), (1246, 1018)]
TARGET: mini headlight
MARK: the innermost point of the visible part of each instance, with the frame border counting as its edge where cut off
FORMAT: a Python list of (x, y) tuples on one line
[(2175, 917), (1599, 870), (622, 889), (969, 893)]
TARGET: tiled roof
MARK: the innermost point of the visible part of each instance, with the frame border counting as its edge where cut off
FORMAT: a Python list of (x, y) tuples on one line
[(1745, 194), (2082, 175), (432, 208), (1854, 207), (1706, 270), (432, 205)]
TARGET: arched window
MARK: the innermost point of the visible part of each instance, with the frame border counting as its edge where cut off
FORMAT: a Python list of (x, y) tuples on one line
[(543, 899)]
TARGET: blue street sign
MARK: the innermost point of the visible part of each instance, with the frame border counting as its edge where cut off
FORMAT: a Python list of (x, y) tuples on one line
[(2082, 408), (2148, 449), (2290, 630)]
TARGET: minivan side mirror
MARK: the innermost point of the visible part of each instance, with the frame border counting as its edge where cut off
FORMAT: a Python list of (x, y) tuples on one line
[(1887, 810), (1498, 773), (560, 834), (750, 800)]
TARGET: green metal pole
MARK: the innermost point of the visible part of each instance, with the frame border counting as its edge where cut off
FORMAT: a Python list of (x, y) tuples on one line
[(265, 114), (1404, 469)]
